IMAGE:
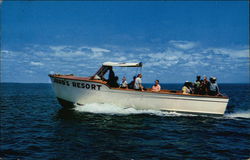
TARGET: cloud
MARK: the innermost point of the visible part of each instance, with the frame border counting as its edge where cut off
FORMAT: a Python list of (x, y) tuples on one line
[(175, 60), (242, 52), (36, 63), (99, 49), (73, 51), (5, 52), (184, 45), (192, 63)]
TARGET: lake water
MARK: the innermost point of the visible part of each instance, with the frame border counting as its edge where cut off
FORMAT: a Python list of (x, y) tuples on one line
[(35, 126)]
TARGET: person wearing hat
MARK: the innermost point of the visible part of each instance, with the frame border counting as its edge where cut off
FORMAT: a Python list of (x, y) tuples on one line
[(213, 87), (186, 88), (156, 87)]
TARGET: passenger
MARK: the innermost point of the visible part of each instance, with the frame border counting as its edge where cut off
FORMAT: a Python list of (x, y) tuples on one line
[(124, 83), (132, 83), (203, 88), (111, 75), (213, 87), (191, 87), (114, 82), (205, 85), (156, 87), (186, 89), (197, 84), (138, 83)]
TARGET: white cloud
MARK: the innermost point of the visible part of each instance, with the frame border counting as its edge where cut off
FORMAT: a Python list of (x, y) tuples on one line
[(67, 52), (83, 51), (95, 55), (185, 45), (57, 48), (99, 49), (84, 60), (36, 63), (242, 52), (5, 52), (192, 63), (142, 49)]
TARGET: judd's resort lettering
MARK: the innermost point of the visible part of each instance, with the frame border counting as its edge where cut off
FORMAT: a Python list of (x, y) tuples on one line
[(78, 84)]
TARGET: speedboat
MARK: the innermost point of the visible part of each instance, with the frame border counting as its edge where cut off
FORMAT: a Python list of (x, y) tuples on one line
[(72, 90)]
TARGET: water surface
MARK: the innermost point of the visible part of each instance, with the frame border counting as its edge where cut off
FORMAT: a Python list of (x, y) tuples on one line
[(35, 126)]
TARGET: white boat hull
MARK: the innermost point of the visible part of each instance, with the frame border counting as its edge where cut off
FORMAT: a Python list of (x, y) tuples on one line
[(84, 92)]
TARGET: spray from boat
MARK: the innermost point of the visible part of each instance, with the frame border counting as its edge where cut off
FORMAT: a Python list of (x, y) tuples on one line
[(112, 109)]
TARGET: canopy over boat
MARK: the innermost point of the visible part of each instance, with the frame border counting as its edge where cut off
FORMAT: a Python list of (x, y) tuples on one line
[(108, 66), (121, 64)]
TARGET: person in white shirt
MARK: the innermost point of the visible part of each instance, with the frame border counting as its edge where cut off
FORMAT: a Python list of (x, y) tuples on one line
[(138, 83), (124, 83)]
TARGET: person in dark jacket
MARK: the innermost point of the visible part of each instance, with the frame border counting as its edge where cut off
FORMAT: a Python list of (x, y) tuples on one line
[(114, 82), (203, 88), (197, 84)]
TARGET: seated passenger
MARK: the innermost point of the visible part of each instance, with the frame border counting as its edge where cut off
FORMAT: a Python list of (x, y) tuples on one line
[(205, 85), (111, 75), (156, 87), (213, 87), (191, 87), (124, 83), (186, 89), (113, 83), (132, 83), (197, 85), (138, 83), (203, 88)]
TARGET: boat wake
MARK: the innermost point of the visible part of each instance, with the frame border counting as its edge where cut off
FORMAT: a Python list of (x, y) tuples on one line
[(239, 114), (112, 109)]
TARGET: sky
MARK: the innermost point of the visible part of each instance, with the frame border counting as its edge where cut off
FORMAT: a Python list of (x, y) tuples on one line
[(175, 40)]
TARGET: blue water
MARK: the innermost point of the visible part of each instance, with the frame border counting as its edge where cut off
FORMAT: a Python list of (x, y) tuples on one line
[(35, 126)]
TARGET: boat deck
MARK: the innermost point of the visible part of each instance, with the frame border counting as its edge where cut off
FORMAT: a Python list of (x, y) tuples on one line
[(174, 92)]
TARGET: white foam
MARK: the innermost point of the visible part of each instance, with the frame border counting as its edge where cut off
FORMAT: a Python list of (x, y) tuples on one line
[(111, 109), (239, 114), (118, 110)]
